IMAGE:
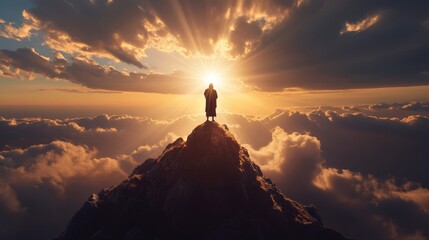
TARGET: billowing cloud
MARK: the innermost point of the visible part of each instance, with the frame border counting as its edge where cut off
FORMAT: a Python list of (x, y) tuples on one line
[(88, 73), (294, 162), (370, 144), (301, 151), (102, 132), (46, 183), (307, 50), (376, 142)]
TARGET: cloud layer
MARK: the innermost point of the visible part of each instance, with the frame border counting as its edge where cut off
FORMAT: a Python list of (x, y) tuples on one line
[(367, 175)]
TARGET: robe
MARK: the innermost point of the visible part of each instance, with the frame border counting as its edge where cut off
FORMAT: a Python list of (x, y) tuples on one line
[(211, 96)]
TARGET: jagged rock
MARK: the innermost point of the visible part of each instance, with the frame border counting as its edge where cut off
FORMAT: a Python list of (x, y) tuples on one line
[(204, 188)]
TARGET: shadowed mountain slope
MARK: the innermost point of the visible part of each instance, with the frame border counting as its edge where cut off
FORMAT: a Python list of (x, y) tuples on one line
[(204, 188)]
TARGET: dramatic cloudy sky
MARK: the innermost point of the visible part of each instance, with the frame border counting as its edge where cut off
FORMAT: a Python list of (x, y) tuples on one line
[(331, 98), (279, 52)]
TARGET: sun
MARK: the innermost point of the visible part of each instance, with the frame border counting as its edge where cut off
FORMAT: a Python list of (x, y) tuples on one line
[(211, 78)]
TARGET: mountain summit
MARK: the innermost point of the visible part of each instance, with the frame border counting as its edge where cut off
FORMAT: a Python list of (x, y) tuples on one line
[(204, 188)]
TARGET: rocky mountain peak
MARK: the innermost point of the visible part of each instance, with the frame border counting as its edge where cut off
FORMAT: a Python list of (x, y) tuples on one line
[(206, 187)]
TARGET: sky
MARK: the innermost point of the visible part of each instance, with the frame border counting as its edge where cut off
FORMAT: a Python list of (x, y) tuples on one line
[(329, 96), (274, 53)]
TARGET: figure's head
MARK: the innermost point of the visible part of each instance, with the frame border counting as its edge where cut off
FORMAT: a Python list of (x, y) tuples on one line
[(211, 86)]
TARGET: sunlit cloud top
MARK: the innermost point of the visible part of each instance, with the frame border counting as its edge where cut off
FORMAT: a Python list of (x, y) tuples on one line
[(361, 25)]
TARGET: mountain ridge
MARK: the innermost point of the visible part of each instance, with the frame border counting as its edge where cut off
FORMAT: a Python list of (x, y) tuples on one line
[(206, 187)]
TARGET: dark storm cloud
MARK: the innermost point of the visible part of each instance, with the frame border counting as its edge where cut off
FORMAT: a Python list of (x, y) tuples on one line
[(312, 50), (88, 73)]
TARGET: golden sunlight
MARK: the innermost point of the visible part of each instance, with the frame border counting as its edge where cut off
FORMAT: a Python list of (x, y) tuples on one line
[(212, 78)]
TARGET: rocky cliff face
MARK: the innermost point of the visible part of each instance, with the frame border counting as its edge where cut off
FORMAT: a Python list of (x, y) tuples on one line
[(204, 188)]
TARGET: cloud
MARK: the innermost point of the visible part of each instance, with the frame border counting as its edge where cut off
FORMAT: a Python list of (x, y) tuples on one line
[(370, 144), (380, 106), (295, 163), (125, 29), (420, 196), (361, 25), (75, 90), (44, 184), (302, 153), (19, 33), (117, 28), (306, 50), (368, 171), (378, 201), (245, 36), (25, 60), (416, 106), (379, 146), (102, 132), (411, 106), (152, 151), (9, 200), (88, 73), (202, 27)]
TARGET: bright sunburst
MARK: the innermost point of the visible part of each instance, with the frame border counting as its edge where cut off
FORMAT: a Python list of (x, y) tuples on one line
[(211, 78)]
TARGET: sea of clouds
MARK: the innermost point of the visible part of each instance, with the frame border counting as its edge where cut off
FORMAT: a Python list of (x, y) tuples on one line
[(367, 174)]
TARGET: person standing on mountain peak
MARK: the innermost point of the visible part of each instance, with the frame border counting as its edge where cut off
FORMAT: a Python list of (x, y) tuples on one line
[(211, 98)]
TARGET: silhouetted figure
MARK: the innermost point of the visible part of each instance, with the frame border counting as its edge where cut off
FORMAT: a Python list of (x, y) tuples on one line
[(211, 96)]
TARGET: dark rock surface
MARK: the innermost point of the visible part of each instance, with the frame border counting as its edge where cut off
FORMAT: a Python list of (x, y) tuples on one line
[(204, 188)]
